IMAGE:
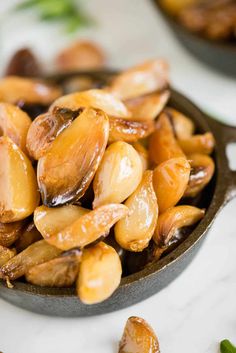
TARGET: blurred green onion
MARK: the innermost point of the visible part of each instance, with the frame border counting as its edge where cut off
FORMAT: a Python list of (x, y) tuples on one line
[(65, 11), (227, 347)]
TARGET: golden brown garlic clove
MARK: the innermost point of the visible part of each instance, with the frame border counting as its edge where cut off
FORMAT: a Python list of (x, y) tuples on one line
[(66, 170), (14, 89), (50, 221), (202, 170), (138, 337), (170, 180), (172, 220), (94, 98), (35, 254), (163, 144), (99, 275), (129, 130), (204, 144), (143, 154), (87, 228), (5, 255), (118, 174), (183, 126), (148, 107), (15, 124), (10, 232), (18, 185), (81, 55), (151, 76), (45, 128), (59, 272), (134, 231), (28, 236)]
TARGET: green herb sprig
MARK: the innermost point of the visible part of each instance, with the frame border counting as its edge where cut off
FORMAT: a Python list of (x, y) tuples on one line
[(227, 347), (65, 11)]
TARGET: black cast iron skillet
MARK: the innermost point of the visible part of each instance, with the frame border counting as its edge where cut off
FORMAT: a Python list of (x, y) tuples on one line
[(143, 284), (219, 55)]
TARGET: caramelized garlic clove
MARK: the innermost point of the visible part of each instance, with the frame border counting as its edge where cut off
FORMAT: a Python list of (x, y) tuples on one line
[(203, 144), (5, 255), (94, 98), (202, 171), (35, 254), (45, 128), (174, 219), (143, 154), (129, 130), (18, 185), (135, 231), (148, 107), (10, 232), (15, 124), (59, 272), (28, 236), (118, 174), (66, 170), (151, 76), (170, 180), (99, 275), (50, 221), (138, 337), (14, 89), (163, 144), (183, 126), (87, 228)]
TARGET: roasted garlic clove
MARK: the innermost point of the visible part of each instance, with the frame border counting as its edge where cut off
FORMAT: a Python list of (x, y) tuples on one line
[(170, 180), (87, 228), (172, 220), (5, 255), (134, 231), (68, 167), (204, 144), (15, 124), (183, 126), (151, 76), (94, 98), (163, 144), (35, 254), (81, 55), (18, 185), (10, 232), (45, 128), (23, 63), (28, 236), (143, 154), (148, 107), (202, 170), (138, 337), (99, 275), (14, 89), (50, 221), (118, 174), (59, 272), (129, 130)]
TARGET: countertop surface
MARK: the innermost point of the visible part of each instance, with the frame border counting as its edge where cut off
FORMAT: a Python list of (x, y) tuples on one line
[(198, 309)]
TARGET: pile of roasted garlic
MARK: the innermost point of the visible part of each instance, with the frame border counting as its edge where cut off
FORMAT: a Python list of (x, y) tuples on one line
[(95, 179)]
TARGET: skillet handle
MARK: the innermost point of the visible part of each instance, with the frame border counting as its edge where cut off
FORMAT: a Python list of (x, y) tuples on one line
[(224, 135)]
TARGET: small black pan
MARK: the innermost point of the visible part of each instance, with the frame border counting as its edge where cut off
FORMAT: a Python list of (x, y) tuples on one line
[(143, 284), (218, 55)]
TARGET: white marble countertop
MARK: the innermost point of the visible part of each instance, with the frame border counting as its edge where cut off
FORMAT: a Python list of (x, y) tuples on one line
[(198, 309)]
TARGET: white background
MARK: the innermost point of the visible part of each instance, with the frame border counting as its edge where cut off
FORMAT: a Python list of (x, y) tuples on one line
[(199, 308)]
